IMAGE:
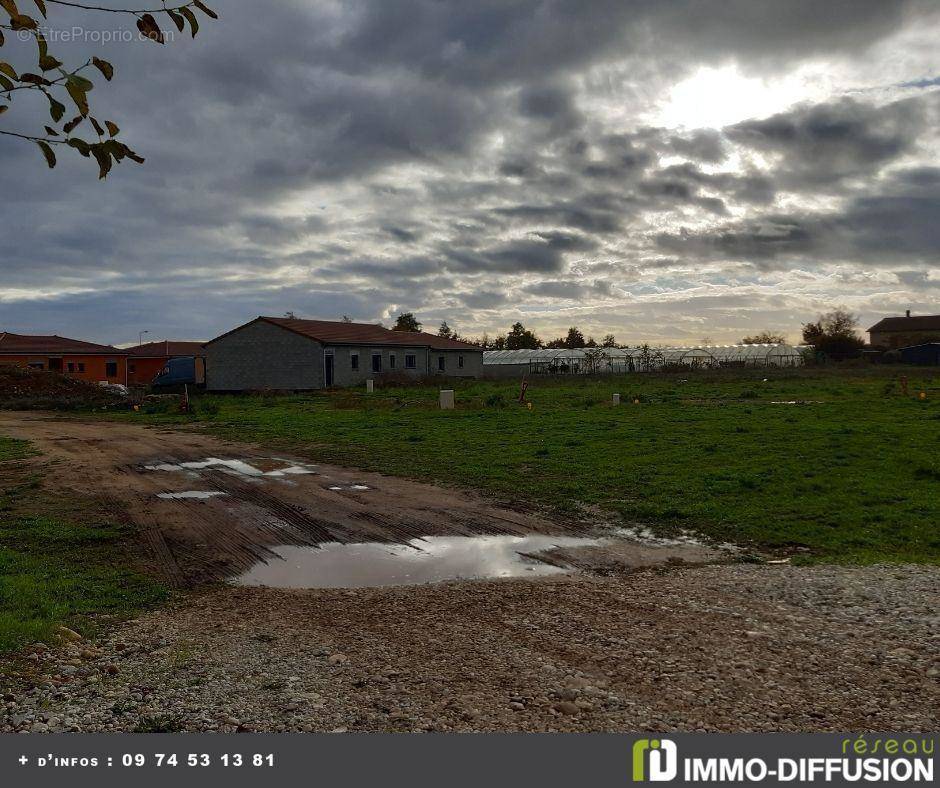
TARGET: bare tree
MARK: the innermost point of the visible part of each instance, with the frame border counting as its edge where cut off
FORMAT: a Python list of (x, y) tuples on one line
[(835, 333), (765, 338)]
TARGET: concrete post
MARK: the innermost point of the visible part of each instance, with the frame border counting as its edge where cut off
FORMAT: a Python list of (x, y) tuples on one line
[(616, 399), (447, 399), (370, 386)]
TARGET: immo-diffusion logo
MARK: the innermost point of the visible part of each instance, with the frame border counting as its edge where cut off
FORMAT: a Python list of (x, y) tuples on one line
[(656, 760), (894, 759)]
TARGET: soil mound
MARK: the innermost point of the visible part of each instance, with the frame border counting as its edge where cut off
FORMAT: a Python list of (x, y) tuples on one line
[(32, 389)]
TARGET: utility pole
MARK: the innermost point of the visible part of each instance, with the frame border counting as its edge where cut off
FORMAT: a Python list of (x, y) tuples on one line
[(140, 337)]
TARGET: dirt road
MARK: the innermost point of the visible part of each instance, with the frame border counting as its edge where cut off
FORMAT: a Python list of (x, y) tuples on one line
[(237, 502), (709, 647)]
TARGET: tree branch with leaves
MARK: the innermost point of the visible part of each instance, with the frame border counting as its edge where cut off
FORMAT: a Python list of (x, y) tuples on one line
[(73, 85)]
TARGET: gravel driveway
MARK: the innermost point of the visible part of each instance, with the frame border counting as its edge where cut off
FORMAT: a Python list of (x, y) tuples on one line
[(724, 647)]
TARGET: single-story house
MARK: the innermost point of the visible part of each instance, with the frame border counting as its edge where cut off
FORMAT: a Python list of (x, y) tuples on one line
[(927, 353), (72, 357), (891, 333), (148, 360), (297, 355)]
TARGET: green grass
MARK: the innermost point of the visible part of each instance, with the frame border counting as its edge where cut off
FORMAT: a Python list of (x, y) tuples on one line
[(854, 475), (57, 569)]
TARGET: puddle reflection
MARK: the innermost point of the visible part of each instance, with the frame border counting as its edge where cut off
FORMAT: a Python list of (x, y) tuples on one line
[(237, 467), (430, 560)]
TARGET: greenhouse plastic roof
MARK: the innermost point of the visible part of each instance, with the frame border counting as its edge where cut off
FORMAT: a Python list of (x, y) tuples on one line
[(666, 354), (544, 355)]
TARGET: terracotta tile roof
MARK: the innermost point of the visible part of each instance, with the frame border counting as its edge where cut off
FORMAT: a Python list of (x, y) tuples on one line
[(342, 333), (435, 342), (168, 348), (917, 323), (25, 344)]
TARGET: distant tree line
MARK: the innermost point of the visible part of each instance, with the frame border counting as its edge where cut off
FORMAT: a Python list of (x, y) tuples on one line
[(765, 338), (834, 333)]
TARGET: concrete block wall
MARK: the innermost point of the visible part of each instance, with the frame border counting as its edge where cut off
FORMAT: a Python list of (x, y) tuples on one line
[(345, 375), (472, 363), (262, 355)]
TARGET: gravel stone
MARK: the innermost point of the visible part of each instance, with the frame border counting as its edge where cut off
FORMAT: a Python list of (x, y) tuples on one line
[(839, 648)]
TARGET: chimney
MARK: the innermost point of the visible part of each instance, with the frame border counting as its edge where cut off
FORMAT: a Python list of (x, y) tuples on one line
[(908, 313)]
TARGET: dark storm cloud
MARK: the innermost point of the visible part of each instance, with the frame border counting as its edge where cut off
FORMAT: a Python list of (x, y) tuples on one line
[(764, 240), (551, 104), (380, 270), (274, 231), (572, 291), (894, 227), (673, 191), (702, 145), (569, 242), (483, 299), (752, 187), (517, 168), (624, 161), (520, 256), (599, 222), (379, 146), (884, 229), (497, 42), (828, 142), (402, 234), (918, 280)]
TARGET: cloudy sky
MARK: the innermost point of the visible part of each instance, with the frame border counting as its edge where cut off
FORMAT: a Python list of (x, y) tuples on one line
[(665, 170)]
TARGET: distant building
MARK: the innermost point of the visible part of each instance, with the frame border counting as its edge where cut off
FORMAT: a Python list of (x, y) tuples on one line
[(896, 332), (927, 354), (72, 357), (148, 360), (297, 355)]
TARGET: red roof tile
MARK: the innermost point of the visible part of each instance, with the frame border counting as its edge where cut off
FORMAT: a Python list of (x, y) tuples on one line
[(167, 348), (342, 333), (24, 344), (435, 342)]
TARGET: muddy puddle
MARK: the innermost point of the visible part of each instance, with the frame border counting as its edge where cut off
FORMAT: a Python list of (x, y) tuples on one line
[(340, 532), (433, 559), (265, 466)]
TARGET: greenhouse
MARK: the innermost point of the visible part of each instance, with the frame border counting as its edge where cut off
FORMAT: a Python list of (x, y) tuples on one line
[(556, 361), (610, 361)]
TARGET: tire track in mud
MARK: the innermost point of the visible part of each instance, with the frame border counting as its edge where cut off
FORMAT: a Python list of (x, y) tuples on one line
[(164, 561), (193, 541)]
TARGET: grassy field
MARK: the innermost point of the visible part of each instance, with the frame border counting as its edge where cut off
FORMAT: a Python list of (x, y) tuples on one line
[(59, 562), (851, 472)]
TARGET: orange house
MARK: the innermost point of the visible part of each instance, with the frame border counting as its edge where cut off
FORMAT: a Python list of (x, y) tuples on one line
[(72, 357), (148, 360)]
